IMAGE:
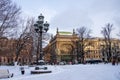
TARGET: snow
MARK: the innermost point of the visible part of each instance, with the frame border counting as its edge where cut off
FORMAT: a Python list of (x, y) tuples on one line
[(68, 72)]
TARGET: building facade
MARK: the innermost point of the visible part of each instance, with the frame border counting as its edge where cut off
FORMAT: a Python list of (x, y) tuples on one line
[(8, 52), (63, 47)]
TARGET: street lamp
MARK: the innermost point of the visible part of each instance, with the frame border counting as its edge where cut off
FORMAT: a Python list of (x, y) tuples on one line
[(40, 28)]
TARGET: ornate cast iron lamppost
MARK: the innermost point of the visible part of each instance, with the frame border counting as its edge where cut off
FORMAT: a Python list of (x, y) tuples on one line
[(40, 28)]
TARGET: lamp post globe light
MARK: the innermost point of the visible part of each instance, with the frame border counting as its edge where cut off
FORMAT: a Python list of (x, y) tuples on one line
[(40, 28)]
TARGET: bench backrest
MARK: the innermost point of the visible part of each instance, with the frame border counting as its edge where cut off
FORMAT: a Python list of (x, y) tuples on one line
[(4, 72)]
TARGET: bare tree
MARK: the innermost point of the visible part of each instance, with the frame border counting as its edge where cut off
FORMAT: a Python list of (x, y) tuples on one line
[(83, 34), (24, 38), (106, 31), (9, 14)]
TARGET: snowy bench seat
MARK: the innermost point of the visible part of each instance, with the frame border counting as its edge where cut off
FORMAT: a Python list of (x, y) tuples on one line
[(40, 71), (5, 74)]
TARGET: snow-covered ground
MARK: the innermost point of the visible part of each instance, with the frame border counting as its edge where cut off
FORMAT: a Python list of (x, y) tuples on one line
[(68, 72)]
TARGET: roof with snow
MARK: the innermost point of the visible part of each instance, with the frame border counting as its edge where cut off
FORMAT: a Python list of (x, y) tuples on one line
[(65, 33)]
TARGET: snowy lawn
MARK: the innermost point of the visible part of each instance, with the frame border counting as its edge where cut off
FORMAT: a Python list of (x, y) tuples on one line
[(68, 72)]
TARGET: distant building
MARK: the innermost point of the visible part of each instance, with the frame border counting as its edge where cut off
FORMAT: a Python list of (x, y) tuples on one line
[(63, 47), (7, 52)]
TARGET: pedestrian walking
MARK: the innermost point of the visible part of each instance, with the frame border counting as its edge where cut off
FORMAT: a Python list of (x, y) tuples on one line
[(22, 70)]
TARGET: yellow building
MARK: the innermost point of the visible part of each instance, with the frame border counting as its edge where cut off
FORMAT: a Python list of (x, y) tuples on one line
[(63, 47)]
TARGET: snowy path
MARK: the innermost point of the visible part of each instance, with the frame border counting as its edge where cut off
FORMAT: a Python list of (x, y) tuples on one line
[(70, 72)]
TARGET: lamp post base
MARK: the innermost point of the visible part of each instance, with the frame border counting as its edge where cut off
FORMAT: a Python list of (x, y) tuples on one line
[(41, 62), (40, 68)]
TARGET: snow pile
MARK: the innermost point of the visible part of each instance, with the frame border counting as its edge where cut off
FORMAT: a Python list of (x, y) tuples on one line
[(71, 72)]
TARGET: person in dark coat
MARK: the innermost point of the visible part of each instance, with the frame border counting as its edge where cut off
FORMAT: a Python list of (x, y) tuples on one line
[(22, 70)]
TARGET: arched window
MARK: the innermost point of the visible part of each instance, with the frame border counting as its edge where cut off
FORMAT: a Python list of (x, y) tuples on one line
[(0, 60), (8, 60)]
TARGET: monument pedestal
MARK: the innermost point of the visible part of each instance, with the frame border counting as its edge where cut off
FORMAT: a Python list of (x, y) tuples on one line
[(40, 69)]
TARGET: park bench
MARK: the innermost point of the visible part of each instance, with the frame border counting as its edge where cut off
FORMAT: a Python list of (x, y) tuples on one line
[(4, 73)]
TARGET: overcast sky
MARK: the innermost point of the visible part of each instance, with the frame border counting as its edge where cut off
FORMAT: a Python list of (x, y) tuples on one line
[(69, 14)]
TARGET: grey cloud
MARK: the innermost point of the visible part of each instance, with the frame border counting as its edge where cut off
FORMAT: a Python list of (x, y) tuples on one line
[(71, 18), (105, 6), (117, 21)]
